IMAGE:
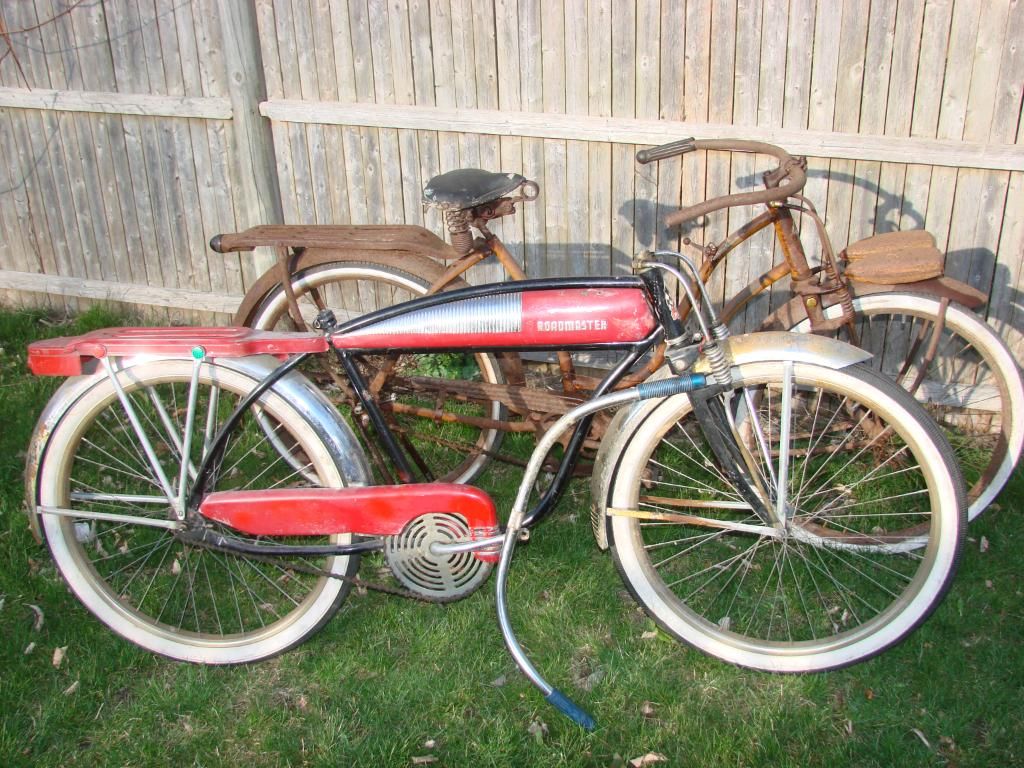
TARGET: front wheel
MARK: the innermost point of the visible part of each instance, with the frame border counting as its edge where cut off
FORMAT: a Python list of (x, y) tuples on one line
[(141, 578), (861, 542)]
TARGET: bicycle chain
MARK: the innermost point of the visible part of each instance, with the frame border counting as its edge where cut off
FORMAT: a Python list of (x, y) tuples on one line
[(314, 571)]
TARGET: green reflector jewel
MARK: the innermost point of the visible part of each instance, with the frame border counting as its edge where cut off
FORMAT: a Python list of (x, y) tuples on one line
[(198, 353)]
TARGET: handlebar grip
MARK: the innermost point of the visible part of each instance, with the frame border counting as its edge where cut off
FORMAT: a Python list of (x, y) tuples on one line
[(663, 151), (229, 242)]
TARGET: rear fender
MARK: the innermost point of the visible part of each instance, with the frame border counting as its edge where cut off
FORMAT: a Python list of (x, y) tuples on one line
[(792, 312), (299, 391), (414, 263)]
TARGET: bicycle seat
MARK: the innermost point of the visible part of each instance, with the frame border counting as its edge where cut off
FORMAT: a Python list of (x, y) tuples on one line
[(894, 258), (468, 187)]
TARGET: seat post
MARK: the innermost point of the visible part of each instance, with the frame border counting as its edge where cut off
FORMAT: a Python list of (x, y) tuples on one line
[(803, 278)]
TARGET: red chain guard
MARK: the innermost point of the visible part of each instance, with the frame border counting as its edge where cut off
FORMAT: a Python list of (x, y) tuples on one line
[(380, 510)]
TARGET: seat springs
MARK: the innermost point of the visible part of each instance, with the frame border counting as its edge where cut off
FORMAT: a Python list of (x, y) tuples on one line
[(458, 226)]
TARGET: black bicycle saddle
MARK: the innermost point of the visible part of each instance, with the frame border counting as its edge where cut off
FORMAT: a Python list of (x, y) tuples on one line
[(468, 187)]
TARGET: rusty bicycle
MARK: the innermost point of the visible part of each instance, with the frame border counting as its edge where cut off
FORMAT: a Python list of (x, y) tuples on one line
[(887, 294)]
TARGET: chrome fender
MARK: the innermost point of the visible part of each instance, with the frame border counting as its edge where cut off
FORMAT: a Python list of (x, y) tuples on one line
[(739, 350), (299, 391)]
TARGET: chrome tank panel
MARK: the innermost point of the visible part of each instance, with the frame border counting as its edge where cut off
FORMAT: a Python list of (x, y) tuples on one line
[(483, 314)]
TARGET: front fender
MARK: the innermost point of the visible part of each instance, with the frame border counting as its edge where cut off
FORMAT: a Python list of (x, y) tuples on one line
[(739, 350), (299, 391)]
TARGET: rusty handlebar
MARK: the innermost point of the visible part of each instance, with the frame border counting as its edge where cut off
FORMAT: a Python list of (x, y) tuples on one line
[(792, 172)]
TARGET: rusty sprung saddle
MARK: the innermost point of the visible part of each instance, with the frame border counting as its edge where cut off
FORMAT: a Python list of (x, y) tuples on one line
[(470, 197), (469, 187)]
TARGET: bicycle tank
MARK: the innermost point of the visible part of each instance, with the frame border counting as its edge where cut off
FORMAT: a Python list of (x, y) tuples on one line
[(558, 313)]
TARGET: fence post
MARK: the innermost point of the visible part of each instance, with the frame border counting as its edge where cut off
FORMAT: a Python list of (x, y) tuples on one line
[(253, 164)]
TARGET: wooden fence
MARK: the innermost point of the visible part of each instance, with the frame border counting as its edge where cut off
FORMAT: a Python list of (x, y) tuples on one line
[(910, 112)]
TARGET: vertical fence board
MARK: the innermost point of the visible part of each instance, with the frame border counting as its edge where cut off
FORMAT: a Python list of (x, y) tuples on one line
[(599, 156), (532, 99), (720, 110), (740, 266), (696, 101), (771, 105), (623, 103)]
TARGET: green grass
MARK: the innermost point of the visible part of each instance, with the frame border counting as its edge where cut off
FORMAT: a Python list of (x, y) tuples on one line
[(388, 680)]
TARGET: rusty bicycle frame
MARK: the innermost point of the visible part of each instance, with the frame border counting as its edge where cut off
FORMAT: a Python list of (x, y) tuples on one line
[(416, 249)]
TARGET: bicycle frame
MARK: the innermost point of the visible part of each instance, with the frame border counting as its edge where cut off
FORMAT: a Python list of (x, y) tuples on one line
[(634, 337)]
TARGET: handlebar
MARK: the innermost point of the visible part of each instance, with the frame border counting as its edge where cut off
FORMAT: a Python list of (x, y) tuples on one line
[(790, 169), (665, 151)]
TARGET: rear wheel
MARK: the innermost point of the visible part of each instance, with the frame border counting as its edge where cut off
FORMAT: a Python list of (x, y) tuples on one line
[(960, 370), (142, 578), (871, 503), (446, 432)]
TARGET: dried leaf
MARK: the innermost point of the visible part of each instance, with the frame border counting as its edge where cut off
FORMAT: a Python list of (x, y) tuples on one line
[(983, 546), (499, 681), (58, 656), (649, 759), (920, 735), (37, 622), (430, 744), (587, 683), (649, 635), (29, 648), (647, 709), (71, 688), (424, 760), (869, 694), (539, 730), (302, 702), (175, 567), (988, 583)]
